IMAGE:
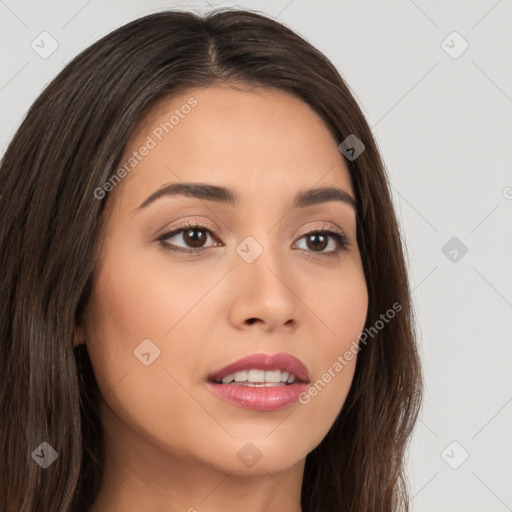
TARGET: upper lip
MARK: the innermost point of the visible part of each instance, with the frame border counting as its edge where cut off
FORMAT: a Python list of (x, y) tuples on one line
[(282, 361)]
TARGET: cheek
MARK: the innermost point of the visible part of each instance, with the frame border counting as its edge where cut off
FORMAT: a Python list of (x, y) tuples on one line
[(130, 304), (147, 297), (340, 301), (136, 299), (342, 308)]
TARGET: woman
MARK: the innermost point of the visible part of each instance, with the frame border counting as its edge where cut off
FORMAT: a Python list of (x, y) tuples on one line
[(204, 303)]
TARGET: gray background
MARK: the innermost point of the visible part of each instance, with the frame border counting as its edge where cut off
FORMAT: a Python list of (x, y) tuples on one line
[(444, 126)]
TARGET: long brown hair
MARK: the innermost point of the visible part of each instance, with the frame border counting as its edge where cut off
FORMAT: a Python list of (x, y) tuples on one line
[(68, 145)]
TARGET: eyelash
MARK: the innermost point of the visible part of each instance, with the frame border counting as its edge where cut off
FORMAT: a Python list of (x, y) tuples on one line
[(340, 237)]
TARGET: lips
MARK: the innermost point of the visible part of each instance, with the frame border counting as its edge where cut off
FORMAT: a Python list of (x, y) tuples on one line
[(261, 382), (283, 362)]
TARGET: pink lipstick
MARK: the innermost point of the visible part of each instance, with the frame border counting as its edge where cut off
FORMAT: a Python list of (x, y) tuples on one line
[(261, 382)]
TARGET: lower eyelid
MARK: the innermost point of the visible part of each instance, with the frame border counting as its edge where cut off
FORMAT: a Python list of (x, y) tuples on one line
[(341, 240), (180, 231)]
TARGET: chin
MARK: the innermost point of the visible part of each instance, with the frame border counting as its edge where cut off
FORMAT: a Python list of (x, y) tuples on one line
[(256, 455)]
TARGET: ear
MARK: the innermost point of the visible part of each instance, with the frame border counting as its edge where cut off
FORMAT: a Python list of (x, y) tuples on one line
[(79, 337)]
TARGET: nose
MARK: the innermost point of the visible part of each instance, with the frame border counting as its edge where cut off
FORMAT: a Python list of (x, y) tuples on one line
[(263, 295)]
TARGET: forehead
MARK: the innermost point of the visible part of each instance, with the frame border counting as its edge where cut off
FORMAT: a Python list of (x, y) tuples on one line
[(263, 140)]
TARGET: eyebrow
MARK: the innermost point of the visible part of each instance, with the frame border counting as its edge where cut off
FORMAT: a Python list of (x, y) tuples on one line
[(229, 197)]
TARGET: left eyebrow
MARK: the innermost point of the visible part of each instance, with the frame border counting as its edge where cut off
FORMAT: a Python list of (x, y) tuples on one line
[(228, 196), (323, 195)]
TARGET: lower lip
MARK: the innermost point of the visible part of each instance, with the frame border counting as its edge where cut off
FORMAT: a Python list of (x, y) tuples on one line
[(260, 398)]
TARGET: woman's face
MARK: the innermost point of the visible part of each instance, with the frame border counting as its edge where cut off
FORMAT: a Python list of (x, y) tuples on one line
[(161, 321)]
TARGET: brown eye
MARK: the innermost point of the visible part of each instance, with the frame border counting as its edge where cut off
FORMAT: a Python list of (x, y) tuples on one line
[(187, 238), (194, 239), (317, 241)]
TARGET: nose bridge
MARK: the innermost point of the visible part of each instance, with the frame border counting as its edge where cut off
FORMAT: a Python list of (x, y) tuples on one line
[(263, 287), (262, 259)]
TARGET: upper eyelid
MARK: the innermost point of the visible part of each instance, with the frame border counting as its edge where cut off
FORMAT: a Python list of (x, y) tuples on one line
[(324, 227), (188, 224), (194, 224)]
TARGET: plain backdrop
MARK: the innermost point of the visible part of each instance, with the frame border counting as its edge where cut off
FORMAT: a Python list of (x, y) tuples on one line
[(435, 82)]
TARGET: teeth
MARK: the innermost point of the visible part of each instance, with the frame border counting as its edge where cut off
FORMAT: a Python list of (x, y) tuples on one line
[(256, 376), (240, 376), (259, 378), (274, 376), (228, 378)]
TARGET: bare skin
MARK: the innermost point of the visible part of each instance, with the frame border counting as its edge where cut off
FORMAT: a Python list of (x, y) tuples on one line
[(172, 444)]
